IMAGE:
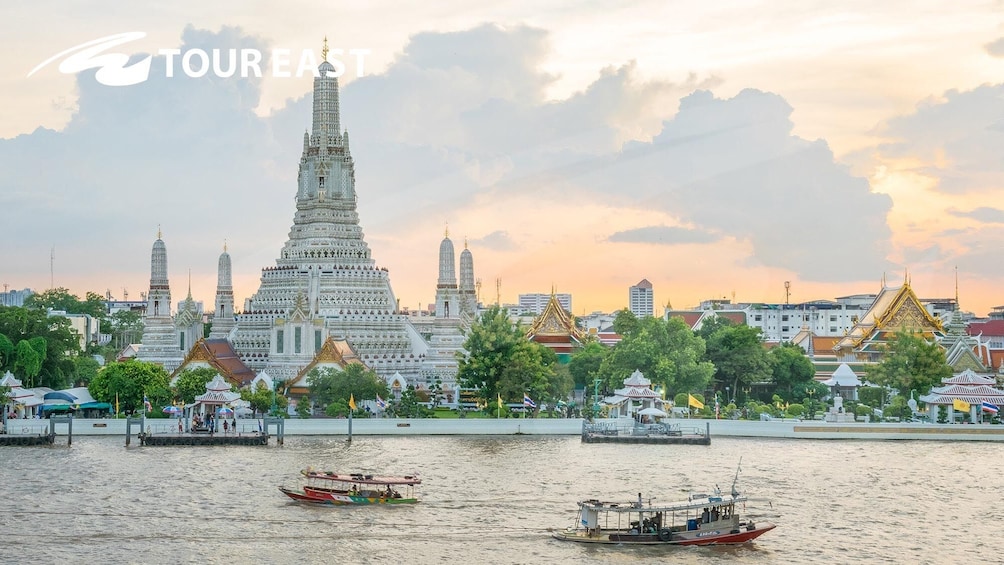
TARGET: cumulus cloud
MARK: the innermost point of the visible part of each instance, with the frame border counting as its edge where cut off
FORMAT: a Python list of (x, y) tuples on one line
[(496, 240), (956, 138), (996, 48), (665, 235), (984, 214), (458, 120)]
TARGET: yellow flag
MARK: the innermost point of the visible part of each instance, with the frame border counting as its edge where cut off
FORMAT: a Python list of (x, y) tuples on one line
[(352, 402), (691, 401), (500, 399), (116, 404), (960, 405)]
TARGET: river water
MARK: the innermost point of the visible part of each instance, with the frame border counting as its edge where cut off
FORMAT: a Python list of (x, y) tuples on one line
[(493, 500)]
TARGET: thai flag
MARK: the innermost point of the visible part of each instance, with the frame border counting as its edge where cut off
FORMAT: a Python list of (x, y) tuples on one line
[(528, 402), (987, 407), (381, 402), (147, 405)]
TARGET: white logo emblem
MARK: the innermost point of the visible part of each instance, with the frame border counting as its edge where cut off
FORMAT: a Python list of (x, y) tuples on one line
[(112, 69)]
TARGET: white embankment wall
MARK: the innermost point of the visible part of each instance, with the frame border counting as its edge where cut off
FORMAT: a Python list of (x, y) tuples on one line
[(570, 426)]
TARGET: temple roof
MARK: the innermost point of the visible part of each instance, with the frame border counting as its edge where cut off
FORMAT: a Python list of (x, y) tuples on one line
[(968, 377), (843, 376), (554, 321), (220, 355), (892, 310)]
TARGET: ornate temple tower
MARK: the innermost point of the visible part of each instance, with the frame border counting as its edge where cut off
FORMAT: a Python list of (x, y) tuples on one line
[(325, 282), (447, 297), (468, 293), (454, 313), (188, 322), (160, 341), (223, 320)]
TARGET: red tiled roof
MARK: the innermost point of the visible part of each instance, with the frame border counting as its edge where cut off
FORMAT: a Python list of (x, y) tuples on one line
[(992, 328)]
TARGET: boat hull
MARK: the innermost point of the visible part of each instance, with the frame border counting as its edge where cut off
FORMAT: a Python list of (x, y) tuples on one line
[(337, 499), (693, 537)]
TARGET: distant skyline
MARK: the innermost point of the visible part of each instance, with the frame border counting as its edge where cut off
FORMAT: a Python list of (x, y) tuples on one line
[(711, 149)]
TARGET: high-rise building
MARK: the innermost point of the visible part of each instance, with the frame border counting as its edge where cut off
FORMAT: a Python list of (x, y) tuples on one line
[(640, 299), (14, 297)]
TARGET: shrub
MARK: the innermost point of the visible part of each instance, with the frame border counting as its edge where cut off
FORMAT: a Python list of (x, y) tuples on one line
[(795, 410)]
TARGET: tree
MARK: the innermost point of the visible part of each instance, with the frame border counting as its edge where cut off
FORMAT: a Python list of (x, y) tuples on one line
[(738, 355), (85, 368), (790, 370), (6, 353), (908, 363), (328, 385), (129, 382), (126, 328), (625, 323), (530, 370), (29, 355), (712, 324), (491, 343), (666, 351), (260, 398), (192, 382), (409, 406), (585, 364), (60, 341)]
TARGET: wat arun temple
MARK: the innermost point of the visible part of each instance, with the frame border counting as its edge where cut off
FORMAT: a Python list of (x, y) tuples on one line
[(325, 296)]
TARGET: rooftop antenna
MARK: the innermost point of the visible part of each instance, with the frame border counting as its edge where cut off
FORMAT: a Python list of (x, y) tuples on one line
[(787, 291), (498, 292), (477, 286), (125, 295)]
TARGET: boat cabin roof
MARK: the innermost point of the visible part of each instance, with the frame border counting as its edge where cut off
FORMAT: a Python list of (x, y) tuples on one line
[(693, 504), (362, 479)]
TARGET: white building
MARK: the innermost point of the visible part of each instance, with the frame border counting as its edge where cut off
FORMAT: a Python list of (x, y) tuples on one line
[(536, 302), (641, 301)]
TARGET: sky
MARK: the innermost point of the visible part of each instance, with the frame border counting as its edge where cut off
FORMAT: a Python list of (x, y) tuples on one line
[(716, 149)]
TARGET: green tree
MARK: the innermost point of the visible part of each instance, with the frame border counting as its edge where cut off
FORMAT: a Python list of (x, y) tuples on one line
[(126, 328), (908, 363), (712, 324), (409, 406), (129, 382), (192, 382), (260, 398), (625, 323), (6, 353), (19, 324), (531, 370), (29, 356), (791, 370), (85, 368), (739, 356), (666, 351), (330, 385), (491, 344), (585, 364)]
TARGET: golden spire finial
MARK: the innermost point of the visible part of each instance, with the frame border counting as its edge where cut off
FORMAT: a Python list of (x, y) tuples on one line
[(224, 245), (158, 231), (465, 242), (446, 232), (324, 50)]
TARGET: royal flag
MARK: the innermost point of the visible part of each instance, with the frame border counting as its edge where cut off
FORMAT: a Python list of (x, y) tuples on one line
[(500, 400), (146, 404), (528, 402), (381, 402), (352, 402), (960, 405), (987, 407), (694, 403), (116, 404)]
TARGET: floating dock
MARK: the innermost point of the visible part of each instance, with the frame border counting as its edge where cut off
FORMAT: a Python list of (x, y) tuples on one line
[(657, 434), (166, 434), (27, 432), (202, 439)]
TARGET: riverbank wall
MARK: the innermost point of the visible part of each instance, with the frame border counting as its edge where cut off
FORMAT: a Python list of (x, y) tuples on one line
[(791, 429)]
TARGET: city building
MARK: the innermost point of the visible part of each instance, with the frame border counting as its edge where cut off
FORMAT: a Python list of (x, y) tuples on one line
[(14, 297), (536, 302), (640, 299)]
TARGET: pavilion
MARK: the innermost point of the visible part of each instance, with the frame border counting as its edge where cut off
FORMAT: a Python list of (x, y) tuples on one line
[(218, 394), (968, 387), (637, 395), (844, 383)]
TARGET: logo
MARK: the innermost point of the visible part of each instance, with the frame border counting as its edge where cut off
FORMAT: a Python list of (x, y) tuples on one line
[(113, 69)]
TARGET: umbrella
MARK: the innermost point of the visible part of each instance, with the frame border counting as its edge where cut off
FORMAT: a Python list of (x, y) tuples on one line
[(172, 410), (652, 412), (226, 411)]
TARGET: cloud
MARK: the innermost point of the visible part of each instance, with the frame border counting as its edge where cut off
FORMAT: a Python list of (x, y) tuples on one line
[(665, 235), (954, 138), (995, 48), (984, 214), (497, 240)]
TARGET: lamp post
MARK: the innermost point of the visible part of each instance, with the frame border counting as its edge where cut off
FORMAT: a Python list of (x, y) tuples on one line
[(727, 398)]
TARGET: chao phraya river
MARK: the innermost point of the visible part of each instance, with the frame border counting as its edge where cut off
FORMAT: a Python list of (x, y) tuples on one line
[(493, 500)]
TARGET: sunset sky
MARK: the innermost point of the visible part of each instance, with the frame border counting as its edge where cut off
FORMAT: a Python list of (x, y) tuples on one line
[(717, 149)]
